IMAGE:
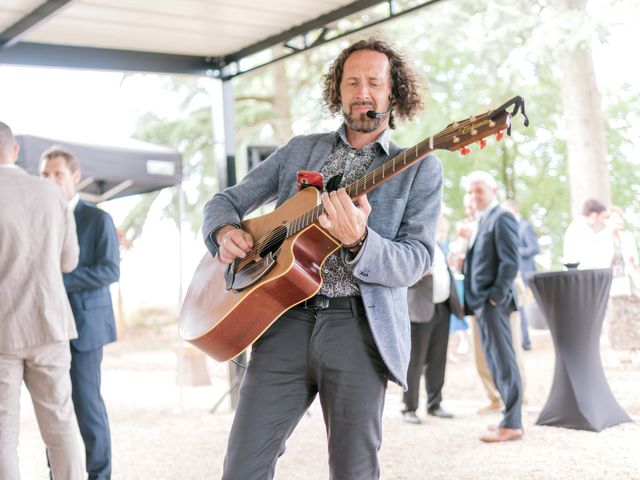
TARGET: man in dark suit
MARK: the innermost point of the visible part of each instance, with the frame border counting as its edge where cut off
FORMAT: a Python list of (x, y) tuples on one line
[(431, 302), (88, 290), (490, 266)]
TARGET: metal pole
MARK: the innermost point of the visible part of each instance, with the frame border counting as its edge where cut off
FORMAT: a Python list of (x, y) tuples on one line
[(228, 112), (224, 139), (181, 353)]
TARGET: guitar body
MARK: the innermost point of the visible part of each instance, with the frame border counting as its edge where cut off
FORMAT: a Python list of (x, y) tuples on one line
[(224, 322)]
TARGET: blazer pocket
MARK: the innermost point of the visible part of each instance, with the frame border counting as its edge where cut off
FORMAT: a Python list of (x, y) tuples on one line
[(95, 302)]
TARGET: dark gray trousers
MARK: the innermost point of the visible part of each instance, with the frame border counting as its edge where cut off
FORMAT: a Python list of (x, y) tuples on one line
[(429, 345), (495, 336), (330, 353)]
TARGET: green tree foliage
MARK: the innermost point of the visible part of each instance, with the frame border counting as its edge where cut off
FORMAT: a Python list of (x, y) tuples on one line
[(472, 56), (188, 130)]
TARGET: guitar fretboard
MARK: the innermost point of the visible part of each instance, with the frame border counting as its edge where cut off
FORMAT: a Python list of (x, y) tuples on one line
[(368, 182)]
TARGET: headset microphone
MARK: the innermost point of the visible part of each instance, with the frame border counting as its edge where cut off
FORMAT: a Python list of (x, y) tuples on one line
[(372, 114)]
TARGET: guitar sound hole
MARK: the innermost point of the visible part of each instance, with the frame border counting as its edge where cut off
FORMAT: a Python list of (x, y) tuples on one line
[(272, 241)]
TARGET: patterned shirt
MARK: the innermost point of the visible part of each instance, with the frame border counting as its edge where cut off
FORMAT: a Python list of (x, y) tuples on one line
[(352, 164)]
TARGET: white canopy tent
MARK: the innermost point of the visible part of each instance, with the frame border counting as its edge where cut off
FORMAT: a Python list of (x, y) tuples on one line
[(216, 38)]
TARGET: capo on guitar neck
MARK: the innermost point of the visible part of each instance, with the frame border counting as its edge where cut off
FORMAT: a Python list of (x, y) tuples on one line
[(518, 103)]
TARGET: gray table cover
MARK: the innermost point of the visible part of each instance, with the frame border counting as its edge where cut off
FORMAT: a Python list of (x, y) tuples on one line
[(574, 303)]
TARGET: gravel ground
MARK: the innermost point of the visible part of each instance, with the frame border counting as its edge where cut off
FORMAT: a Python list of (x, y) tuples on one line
[(162, 431)]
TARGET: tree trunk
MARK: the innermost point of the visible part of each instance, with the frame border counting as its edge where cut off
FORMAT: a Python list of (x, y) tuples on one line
[(586, 148), (508, 172), (282, 130)]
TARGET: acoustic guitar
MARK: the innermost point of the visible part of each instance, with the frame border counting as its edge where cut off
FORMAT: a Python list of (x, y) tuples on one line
[(228, 307)]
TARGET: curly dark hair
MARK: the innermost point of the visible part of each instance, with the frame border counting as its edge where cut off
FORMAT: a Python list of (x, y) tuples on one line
[(405, 86)]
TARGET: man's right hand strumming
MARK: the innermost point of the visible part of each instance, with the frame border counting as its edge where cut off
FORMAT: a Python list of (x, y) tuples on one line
[(233, 243)]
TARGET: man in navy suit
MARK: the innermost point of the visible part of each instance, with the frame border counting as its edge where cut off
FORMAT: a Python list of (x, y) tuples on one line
[(88, 290), (490, 266), (528, 248)]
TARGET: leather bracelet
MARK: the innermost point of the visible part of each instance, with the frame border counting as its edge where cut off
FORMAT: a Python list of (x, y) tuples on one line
[(358, 243)]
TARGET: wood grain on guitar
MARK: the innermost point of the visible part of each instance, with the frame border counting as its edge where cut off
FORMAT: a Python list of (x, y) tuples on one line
[(227, 308)]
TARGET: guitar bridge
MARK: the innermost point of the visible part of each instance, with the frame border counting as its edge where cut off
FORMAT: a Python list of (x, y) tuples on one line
[(250, 274)]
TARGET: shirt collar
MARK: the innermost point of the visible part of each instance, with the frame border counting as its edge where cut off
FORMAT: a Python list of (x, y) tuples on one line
[(490, 207), (383, 139), (73, 203), (8, 165)]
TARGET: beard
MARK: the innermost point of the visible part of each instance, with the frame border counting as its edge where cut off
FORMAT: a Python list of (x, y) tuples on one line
[(359, 122)]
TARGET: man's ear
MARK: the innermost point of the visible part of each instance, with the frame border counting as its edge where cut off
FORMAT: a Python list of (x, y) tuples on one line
[(16, 150), (76, 177)]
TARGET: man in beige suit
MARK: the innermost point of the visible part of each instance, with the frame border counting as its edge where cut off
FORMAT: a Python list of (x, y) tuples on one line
[(38, 242)]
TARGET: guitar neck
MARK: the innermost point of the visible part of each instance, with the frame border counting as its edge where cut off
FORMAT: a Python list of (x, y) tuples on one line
[(390, 168), (454, 137), (368, 182)]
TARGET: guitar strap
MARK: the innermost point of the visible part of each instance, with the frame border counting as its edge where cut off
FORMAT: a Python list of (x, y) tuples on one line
[(518, 103)]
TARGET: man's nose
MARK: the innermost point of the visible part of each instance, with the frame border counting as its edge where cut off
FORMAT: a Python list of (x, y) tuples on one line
[(362, 92)]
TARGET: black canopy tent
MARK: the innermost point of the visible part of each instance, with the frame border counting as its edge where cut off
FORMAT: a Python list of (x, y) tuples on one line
[(110, 171)]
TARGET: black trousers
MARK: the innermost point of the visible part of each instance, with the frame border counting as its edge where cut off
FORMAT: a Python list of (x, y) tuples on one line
[(429, 344), (330, 353), (495, 335)]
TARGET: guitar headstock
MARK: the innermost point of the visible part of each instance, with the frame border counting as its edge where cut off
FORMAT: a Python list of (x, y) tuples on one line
[(458, 135)]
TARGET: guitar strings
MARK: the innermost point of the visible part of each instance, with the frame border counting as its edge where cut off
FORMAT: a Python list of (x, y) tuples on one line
[(421, 150)]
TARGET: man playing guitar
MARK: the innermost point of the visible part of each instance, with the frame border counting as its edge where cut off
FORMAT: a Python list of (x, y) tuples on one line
[(346, 342)]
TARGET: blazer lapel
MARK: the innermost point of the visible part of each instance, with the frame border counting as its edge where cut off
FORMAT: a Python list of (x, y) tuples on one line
[(79, 212), (482, 226)]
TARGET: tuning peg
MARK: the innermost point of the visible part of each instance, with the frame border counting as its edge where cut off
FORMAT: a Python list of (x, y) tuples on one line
[(465, 151), (482, 143), (500, 135)]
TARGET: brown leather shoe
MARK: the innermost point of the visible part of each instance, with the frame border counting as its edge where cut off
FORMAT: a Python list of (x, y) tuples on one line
[(493, 427), (491, 407), (503, 435)]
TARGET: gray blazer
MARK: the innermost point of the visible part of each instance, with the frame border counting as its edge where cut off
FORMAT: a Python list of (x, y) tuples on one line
[(420, 300), (37, 243), (399, 247)]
